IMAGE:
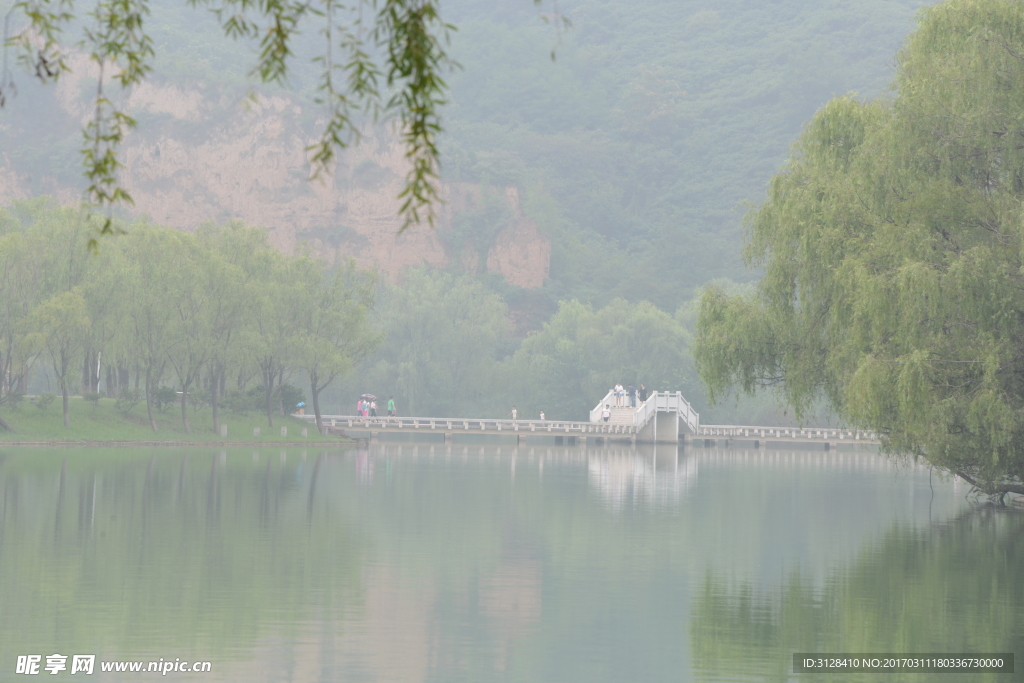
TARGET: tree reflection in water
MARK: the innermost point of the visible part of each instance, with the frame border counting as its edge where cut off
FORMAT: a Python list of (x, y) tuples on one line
[(951, 587)]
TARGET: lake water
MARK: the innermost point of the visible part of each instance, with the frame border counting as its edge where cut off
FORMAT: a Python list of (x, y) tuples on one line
[(484, 563)]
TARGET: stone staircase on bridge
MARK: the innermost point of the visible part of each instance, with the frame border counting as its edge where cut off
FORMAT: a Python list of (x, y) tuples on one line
[(667, 417), (661, 418), (622, 416)]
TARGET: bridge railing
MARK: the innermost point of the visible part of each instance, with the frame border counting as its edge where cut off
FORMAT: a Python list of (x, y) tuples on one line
[(470, 425), (662, 400), (609, 399), (666, 401), (646, 410), (808, 433)]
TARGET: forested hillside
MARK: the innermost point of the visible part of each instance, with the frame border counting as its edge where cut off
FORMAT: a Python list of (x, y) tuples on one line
[(656, 122), (617, 172)]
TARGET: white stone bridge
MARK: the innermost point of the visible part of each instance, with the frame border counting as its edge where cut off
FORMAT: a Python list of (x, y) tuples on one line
[(665, 417)]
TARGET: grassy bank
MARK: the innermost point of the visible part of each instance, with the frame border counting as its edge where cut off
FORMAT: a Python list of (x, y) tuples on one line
[(103, 422)]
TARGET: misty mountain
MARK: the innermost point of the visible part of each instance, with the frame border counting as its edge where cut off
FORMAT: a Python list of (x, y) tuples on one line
[(618, 169)]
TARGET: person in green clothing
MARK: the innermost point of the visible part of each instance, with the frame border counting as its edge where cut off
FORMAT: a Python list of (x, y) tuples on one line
[(391, 407)]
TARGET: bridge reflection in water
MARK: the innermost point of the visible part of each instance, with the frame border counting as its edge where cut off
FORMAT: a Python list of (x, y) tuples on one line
[(625, 476)]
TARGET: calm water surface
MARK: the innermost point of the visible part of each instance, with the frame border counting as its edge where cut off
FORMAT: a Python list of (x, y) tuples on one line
[(483, 563)]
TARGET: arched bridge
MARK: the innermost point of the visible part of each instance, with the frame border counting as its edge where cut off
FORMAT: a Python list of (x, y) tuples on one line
[(667, 417)]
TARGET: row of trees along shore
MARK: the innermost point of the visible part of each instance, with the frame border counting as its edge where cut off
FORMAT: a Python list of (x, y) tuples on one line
[(219, 312), (204, 308), (892, 247)]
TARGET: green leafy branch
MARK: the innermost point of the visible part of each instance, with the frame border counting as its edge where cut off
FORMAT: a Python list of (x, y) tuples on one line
[(118, 42)]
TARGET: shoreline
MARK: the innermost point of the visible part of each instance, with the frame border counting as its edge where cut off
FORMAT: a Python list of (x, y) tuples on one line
[(223, 444)]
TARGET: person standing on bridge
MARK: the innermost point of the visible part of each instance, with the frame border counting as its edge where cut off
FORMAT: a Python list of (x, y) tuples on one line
[(514, 414), (618, 394), (542, 416), (643, 393), (606, 413), (631, 392), (391, 407)]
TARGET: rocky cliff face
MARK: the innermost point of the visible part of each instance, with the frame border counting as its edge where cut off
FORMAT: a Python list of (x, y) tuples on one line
[(199, 156)]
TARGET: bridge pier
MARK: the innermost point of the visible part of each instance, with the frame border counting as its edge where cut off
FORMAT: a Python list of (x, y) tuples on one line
[(662, 428)]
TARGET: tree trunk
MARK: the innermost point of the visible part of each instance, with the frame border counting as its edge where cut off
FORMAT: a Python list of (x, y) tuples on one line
[(214, 394), (4, 426), (149, 397), (86, 373), (64, 397), (316, 402), (184, 410), (268, 389), (994, 489), (280, 396)]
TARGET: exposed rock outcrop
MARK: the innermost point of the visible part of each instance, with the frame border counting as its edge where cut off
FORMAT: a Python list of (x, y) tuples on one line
[(520, 253), (195, 158)]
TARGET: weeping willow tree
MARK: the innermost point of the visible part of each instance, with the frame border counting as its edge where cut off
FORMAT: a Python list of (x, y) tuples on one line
[(892, 247)]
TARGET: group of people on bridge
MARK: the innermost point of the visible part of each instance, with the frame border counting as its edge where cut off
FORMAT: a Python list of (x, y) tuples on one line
[(366, 406), (626, 398)]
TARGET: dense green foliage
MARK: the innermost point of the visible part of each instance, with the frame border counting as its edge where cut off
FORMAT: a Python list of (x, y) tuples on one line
[(160, 304), (232, 323), (449, 351), (891, 247), (442, 335), (582, 353)]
